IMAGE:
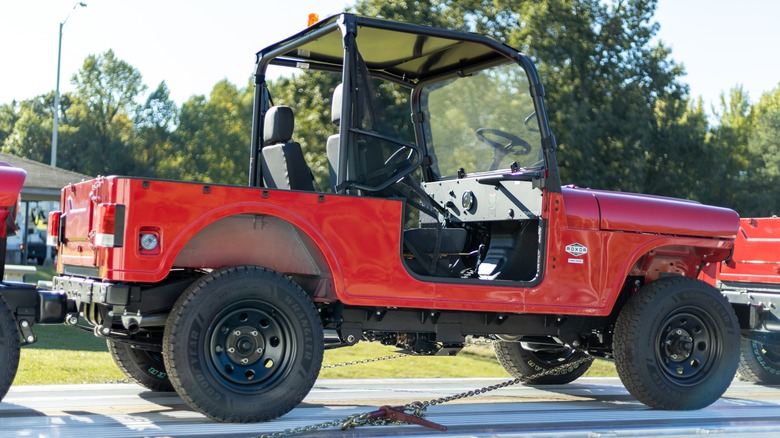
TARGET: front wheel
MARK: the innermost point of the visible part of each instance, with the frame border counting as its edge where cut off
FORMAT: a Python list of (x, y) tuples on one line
[(676, 344), (243, 344), (562, 362), (759, 363), (9, 348)]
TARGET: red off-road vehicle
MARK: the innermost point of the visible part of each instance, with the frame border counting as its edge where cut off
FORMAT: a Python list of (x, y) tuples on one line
[(443, 217), (11, 180), (751, 282)]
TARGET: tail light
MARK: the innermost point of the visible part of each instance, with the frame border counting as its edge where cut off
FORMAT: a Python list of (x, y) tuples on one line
[(53, 228), (110, 221)]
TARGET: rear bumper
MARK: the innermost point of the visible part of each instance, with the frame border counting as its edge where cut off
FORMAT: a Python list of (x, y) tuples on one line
[(88, 290)]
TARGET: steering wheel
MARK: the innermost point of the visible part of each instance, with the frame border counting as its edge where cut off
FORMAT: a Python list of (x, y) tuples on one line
[(397, 158), (500, 149), (396, 162)]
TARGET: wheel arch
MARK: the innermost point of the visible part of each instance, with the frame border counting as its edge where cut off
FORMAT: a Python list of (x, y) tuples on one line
[(661, 257), (258, 234)]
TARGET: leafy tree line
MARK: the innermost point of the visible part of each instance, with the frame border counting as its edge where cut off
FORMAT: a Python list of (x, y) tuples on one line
[(623, 118), (103, 130)]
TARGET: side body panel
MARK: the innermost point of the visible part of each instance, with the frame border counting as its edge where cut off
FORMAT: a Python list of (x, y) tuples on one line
[(357, 241)]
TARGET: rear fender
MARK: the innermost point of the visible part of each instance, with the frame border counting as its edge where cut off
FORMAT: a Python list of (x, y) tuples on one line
[(250, 239), (263, 240)]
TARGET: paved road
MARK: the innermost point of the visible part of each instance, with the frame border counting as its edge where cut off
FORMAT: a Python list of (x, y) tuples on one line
[(588, 407)]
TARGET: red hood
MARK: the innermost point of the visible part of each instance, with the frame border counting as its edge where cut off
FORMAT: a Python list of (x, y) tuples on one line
[(618, 211)]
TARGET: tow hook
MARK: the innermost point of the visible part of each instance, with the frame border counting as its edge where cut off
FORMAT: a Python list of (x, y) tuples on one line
[(25, 328)]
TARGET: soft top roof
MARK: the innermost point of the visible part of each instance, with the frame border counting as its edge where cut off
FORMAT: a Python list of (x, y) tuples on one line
[(405, 52)]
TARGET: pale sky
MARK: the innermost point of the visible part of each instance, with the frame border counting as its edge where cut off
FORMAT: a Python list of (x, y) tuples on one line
[(193, 44)]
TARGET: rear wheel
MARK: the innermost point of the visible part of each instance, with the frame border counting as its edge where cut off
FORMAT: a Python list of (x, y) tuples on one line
[(676, 344), (243, 344), (759, 363), (142, 366), (522, 362), (9, 348)]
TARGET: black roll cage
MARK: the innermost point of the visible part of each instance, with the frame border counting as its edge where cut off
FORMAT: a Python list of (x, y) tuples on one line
[(290, 53)]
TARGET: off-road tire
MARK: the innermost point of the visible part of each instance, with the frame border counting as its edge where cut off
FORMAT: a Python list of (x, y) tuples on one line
[(146, 368), (243, 313), (9, 348), (676, 344), (759, 363), (522, 363)]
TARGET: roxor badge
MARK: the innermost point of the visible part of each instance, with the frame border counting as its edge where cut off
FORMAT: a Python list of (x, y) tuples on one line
[(576, 249)]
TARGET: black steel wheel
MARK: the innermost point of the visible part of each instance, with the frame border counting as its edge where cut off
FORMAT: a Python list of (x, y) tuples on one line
[(9, 348), (676, 344), (142, 366), (759, 363), (243, 344), (524, 362)]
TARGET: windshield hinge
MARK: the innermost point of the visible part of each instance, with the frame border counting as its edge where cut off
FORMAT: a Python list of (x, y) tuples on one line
[(537, 89)]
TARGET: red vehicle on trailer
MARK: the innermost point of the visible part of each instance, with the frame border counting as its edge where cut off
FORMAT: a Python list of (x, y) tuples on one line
[(450, 223), (751, 282), (11, 180)]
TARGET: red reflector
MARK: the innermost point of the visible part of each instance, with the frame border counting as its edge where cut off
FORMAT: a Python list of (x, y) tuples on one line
[(110, 225), (53, 228), (106, 218)]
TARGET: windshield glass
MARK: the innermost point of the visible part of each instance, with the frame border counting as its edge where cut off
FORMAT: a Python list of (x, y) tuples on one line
[(482, 122)]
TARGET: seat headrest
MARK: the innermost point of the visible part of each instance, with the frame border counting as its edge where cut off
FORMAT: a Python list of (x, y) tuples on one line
[(278, 125), (335, 105)]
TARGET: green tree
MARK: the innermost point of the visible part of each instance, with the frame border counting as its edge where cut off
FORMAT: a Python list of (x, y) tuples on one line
[(730, 182), (30, 133), (211, 143), (610, 88), (104, 102), (680, 163), (763, 174), (155, 121), (8, 118), (436, 13), (614, 96)]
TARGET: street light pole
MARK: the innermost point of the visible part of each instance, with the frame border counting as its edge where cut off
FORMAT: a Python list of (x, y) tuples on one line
[(55, 128), (57, 90)]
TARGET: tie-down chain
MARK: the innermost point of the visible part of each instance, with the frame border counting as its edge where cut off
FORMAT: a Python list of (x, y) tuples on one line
[(414, 412)]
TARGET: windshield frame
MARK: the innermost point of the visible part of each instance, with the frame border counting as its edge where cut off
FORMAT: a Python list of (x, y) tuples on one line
[(455, 129)]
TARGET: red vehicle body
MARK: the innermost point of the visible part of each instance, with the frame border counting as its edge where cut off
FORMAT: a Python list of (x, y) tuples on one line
[(751, 282), (626, 235), (448, 224)]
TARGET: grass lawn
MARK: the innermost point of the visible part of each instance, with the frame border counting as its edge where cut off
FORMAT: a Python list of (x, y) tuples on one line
[(65, 355)]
